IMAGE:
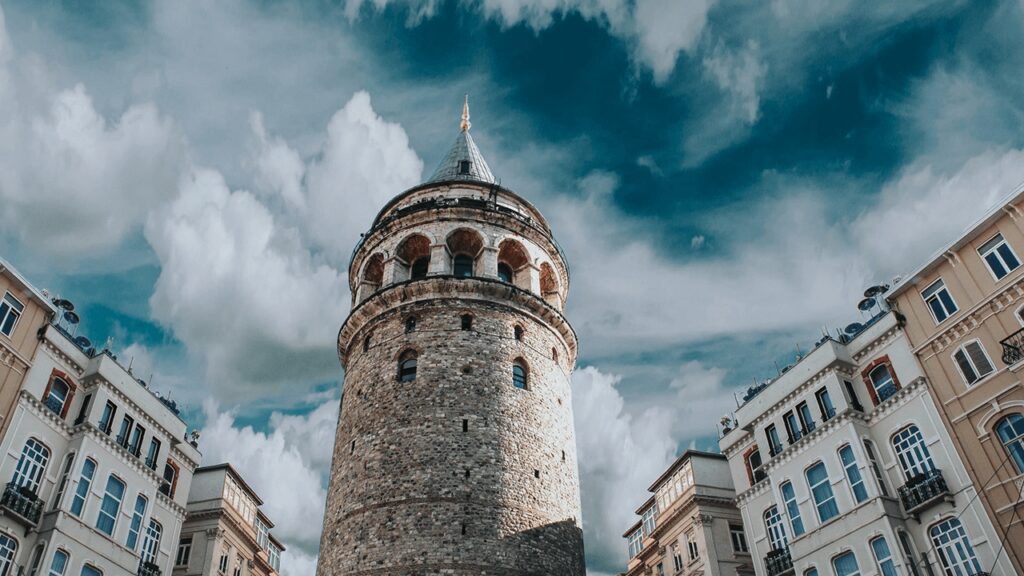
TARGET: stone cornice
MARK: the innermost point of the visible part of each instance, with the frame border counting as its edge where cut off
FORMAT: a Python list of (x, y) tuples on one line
[(59, 354), (838, 366), (11, 358), (491, 292)]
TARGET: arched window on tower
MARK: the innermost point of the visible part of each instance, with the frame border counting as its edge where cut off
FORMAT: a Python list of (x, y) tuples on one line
[(407, 366), (419, 268), (463, 266), (520, 374), (504, 272), (465, 245), (413, 257), (512, 258)]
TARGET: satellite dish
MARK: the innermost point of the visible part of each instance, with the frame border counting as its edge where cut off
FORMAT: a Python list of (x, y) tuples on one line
[(876, 290), (866, 304), (83, 342), (853, 328), (63, 304), (71, 317)]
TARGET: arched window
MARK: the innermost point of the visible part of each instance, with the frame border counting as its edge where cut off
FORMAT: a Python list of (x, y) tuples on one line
[(504, 272), (912, 452), (792, 508), (88, 570), (8, 546), (59, 564), (1011, 433), (845, 565), (954, 548), (151, 543), (414, 252), (37, 559), (31, 465), (821, 492), (57, 395), (519, 375), (82, 490), (518, 332), (853, 475), (775, 529), (419, 268), (170, 483), (410, 324), (136, 524), (882, 382), (407, 367), (110, 509), (462, 265)]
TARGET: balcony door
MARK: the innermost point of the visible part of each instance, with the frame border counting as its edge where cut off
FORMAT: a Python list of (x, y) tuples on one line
[(31, 465), (912, 452)]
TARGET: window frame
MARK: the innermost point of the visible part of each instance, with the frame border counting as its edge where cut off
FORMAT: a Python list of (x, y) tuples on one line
[(792, 507), (775, 528), (829, 502), (82, 487), (184, 552), (1014, 446), (935, 294), (853, 476), (520, 374), (108, 497), (844, 554), (994, 251), (979, 377), (739, 545), (886, 566), (825, 405), (869, 450), (135, 525), (961, 544), (771, 433), (10, 305), (408, 362), (919, 458), (53, 570), (32, 463)]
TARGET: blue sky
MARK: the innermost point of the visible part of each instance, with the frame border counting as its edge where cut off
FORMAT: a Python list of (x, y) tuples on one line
[(725, 177)]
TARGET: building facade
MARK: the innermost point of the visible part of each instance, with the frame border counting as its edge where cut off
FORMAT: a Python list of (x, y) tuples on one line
[(455, 451), (842, 466), (965, 321), (97, 468), (225, 532), (23, 311), (690, 524)]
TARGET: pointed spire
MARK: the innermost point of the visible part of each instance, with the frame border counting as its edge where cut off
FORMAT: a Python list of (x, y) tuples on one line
[(465, 125)]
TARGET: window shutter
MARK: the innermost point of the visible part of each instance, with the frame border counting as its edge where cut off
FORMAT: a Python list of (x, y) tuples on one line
[(979, 359)]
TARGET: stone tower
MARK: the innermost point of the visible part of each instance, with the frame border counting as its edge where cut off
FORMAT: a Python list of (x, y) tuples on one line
[(455, 452)]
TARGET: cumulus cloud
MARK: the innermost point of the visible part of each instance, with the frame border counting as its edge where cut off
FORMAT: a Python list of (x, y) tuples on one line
[(739, 74), (73, 182)]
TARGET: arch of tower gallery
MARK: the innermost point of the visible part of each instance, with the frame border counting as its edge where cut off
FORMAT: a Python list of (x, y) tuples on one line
[(455, 452)]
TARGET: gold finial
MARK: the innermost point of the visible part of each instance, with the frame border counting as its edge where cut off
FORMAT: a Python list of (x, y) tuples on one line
[(465, 125)]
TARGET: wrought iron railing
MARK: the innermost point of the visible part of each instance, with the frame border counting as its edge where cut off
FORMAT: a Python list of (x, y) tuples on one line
[(22, 503), (922, 490), (778, 562), (1013, 347), (148, 569)]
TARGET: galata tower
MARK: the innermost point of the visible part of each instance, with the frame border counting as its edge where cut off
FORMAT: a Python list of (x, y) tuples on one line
[(455, 452)]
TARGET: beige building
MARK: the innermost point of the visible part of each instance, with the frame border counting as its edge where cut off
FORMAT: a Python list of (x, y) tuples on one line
[(690, 525), (964, 315), (23, 311), (225, 532)]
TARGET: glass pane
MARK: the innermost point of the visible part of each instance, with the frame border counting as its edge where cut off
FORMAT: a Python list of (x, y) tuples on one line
[(1008, 256)]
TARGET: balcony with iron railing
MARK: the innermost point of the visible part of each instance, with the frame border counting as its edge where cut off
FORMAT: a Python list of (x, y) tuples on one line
[(22, 504), (923, 490), (148, 569), (1013, 347), (778, 562)]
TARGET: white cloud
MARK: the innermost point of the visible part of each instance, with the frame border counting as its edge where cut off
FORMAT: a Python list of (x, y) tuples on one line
[(698, 241), (739, 74), (665, 28)]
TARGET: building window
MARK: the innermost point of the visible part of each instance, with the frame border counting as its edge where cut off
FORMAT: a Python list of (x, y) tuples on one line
[(647, 520), (792, 427), (908, 552), (825, 404), (869, 448), (462, 266), (774, 444), (883, 557), (37, 560), (973, 362), (849, 460), (677, 560), (366, 344), (407, 366), (170, 483), (275, 557), (792, 508), (806, 420), (821, 490), (84, 410), (1011, 433), (135, 444), (57, 395), (754, 471), (153, 454), (127, 423), (10, 311), (467, 322), (419, 268), (661, 569), (912, 452), (939, 301), (263, 531), (151, 543), (89, 570), (410, 324), (82, 491), (882, 382), (811, 572), (852, 396), (519, 375), (775, 529), (136, 525), (635, 542), (107, 420), (739, 539), (691, 548), (184, 551), (62, 484), (517, 332), (505, 273), (106, 520), (222, 565), (31, 465), (464, 167), (845, 565), (954, 548), (59, 563), (8, 546), (999, 256)]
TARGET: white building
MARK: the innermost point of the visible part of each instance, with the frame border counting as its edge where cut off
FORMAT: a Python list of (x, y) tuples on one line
[(842, 466), (97, 469)]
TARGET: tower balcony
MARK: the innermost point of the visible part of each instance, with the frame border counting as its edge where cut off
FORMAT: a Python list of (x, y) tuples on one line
[(21, 504), (779, 562), (923, 491)]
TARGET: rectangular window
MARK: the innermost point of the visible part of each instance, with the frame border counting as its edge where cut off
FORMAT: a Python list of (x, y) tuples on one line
[(939, 301), (275, 557), (739, 539), (184, 551), (83, 410), (677, 560), (10, 310), (153, 453), (806, 420), (825, 404), (636, 543), (691, 548), (792, 508), (792, 427), (649, 520), (107, 420), (661, 569), (222, 566), (908, 553), (136, 526), (883, 557), (754, 466), (59, 563), (82, 491), (845, 565), (126, 429), (262, 534), (973, 362), (870, 449), (135, 445), (62, 484), (774, 444), (860, 493), (106, 520), (851, 395), (999, 256), (821, 490)]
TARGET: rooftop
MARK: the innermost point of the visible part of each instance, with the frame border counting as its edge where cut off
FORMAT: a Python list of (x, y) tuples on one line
[(463, 161)]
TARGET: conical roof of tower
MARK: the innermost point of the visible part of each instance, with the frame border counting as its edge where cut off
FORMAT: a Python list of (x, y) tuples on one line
[(463, 161)]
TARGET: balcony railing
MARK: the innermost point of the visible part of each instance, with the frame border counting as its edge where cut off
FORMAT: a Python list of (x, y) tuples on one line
[(22, 504), (923, 490), (148, 569), (1013, 347), (778, 562)]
